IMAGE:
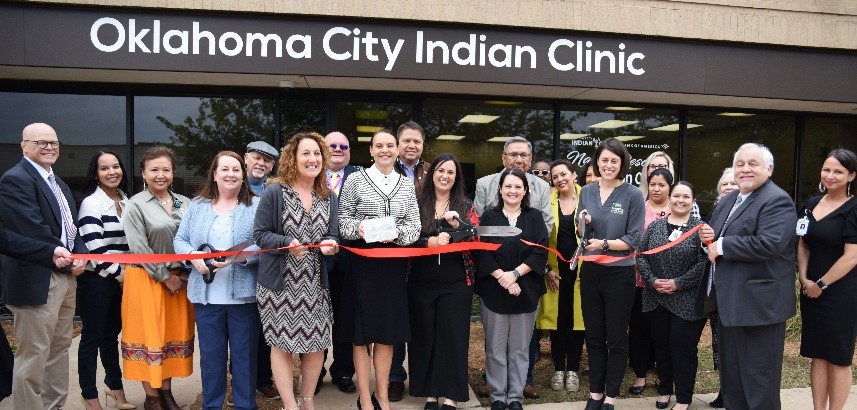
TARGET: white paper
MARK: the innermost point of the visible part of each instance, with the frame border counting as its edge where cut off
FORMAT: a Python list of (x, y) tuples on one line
[(379, 229)]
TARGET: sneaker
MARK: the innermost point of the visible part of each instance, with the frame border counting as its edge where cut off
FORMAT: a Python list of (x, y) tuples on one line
[(572, 382), (268, 392), (557, 380)]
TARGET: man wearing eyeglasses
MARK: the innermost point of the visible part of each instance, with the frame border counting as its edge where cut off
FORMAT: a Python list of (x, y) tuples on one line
[(36, 203), (342, 368)]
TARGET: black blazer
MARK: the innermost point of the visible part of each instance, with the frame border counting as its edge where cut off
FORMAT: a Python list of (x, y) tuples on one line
[(29, 207), (512, 253), (336, 261), (755, 277)]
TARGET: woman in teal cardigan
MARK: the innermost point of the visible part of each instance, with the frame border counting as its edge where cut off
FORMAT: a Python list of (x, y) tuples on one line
[(559, 308)]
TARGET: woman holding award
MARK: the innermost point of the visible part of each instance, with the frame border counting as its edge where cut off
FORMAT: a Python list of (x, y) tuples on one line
[(374, 292)]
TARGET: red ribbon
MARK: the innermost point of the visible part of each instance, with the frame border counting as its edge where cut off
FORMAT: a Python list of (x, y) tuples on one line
[(402, 252), (605, 259)]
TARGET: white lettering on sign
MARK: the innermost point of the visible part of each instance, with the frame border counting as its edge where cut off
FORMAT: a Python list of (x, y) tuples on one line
[(110, 35)]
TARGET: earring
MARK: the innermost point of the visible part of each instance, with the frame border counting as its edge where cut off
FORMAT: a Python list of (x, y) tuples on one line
[(821, 187), (145, 187), (848, 189)]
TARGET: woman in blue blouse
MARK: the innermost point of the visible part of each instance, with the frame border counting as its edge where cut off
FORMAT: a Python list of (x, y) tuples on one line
[(99, 287), (226, 315)]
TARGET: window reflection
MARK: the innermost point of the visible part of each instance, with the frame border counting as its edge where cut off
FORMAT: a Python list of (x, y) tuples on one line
[(359, 120), (712, 145), (643, 130), (84, 123), (300, 115), (475, 131), (197, 129)]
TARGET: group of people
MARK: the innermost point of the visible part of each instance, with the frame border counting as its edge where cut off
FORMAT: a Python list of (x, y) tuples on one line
[(646, 273)]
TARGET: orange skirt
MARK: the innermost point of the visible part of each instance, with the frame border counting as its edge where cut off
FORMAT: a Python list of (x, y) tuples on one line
[(157, 330)]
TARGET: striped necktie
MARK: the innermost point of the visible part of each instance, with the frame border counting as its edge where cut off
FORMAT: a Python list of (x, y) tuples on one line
[(65, 211)]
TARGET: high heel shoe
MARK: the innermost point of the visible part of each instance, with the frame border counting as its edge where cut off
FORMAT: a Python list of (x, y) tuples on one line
[(663, 404), (375, 404), (83, 400), (121, 406)]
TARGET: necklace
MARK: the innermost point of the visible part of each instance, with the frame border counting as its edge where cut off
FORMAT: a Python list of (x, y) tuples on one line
[(443, 211), (512, 217)]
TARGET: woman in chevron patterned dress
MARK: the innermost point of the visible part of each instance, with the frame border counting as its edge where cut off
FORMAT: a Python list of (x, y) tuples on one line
[(292, 294)]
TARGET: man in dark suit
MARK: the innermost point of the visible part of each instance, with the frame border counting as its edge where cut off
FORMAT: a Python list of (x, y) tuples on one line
[(46, 254), (342, 368), (36, 203), (751, 281)]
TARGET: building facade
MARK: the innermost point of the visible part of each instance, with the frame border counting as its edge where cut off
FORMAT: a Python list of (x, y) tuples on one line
[(692, 78)]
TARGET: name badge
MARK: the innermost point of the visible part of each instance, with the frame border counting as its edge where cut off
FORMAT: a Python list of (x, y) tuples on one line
[(675, 235), (379, 229), (802, 225)]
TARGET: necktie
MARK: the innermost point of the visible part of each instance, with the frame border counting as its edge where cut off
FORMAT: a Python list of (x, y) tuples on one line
[(334, 182), (738, 202), (65, 211)]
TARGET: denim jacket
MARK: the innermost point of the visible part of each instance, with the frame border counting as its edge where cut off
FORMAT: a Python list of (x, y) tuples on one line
[(193, 232)]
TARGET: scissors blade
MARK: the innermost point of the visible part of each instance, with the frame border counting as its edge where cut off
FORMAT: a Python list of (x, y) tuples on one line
[(238, 248), (498, 230)]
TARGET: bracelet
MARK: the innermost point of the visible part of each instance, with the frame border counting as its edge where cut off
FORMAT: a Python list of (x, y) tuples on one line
[(516, 273)]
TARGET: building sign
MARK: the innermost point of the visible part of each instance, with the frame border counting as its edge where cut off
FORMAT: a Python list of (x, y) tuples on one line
[(124, 39)]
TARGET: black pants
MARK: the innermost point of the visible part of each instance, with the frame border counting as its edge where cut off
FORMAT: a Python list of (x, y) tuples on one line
[(100, 307), (641, 352), (607, 294), (751, 365), (676, 342), (343, 357), (566, 343)]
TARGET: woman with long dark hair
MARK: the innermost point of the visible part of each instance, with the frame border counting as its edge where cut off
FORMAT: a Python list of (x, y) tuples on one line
[(827, 264), (440, 291), (99, 287)]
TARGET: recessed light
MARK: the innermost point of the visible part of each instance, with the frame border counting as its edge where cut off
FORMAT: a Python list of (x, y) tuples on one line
[(626, 138), (673, 127), (479, 118), (570, 136), (447, 137), (512, 103), (613, 124), (498, 139), (371, 129), (736, 114), (364, 139), (622, 108), (371, 114)]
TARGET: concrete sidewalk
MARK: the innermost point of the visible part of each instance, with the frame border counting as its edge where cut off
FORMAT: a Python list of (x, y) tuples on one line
[(188, 389)]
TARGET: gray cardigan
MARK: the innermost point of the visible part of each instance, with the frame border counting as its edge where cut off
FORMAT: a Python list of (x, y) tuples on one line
[(268, 233)]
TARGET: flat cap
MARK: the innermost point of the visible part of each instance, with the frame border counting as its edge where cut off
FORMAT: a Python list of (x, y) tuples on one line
[(263, 148)]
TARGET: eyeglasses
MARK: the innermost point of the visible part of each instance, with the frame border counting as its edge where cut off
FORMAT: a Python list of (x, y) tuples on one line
[(343, 147), (44, 144), (653, 166), (540, 172), (521, 155)]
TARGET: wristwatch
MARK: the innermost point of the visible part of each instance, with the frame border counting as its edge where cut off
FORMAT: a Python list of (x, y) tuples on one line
[(516, 273), (821, 284), (606, 246)]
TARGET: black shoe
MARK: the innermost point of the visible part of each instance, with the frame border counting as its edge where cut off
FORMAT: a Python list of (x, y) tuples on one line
[(395, 391), (448, 407), (593, 404), (431, 405), (498, 405), (319, 383), (636, 390), (663, 404), (608, 406), (516, 405), (718, 402), (375, 404), (344, 384)]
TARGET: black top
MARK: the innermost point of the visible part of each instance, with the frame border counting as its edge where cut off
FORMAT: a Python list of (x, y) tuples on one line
[(512, 253), (566, 241)]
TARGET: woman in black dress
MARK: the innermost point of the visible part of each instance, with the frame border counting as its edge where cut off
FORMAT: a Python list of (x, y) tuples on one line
[(375, 301), (440, 291), (510, 283), (672, 278), (827, 263)]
